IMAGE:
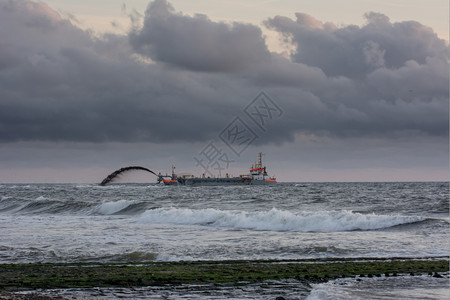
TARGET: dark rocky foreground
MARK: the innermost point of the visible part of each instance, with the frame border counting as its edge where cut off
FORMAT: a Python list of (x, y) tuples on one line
[(213, 274)]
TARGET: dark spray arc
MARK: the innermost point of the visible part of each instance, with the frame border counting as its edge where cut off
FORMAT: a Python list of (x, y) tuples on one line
[(125, 169)]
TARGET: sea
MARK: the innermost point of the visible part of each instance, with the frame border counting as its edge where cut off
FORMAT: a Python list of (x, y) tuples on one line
[(62, 223)]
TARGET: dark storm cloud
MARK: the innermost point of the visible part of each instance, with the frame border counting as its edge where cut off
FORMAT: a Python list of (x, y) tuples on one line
[(196, 42), (183, 78), (383, 77), (354, 51), (60, 83)]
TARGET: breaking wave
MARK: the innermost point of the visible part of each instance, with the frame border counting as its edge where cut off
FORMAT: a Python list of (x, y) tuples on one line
[(43, 205), (276, 220), (269, 220), (109, 208)]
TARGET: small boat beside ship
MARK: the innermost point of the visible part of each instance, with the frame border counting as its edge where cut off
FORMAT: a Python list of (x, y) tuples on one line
[(257, 176)]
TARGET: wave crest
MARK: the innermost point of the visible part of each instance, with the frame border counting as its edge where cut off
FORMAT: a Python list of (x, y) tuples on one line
[(109, 208), (275, 219)]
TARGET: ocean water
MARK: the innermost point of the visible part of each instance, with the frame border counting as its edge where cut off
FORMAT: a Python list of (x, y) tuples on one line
[(150, 222)]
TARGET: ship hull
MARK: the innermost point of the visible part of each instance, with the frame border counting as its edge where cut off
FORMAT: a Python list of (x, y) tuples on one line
[(218, 181), (258, 176)]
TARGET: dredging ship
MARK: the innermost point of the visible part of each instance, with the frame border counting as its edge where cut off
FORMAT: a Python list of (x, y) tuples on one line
[(257, 176)]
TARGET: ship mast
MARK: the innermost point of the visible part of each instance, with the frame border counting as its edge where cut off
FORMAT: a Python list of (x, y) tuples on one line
[(173, 172), (259, 165)]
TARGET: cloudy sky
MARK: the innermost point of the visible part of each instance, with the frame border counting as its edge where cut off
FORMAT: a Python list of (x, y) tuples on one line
[(351, 93)]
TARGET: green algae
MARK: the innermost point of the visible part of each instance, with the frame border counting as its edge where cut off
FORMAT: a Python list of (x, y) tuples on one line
[(33, 276)]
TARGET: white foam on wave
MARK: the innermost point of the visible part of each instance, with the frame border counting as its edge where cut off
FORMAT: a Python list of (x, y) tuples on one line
[(402, 287), (108, 208), (275, 219)]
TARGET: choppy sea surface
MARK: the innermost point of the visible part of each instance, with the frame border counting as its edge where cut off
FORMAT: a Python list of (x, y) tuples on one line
[(150, 222)]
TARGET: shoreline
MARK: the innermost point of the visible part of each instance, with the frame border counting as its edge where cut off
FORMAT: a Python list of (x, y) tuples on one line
[(26, 277)]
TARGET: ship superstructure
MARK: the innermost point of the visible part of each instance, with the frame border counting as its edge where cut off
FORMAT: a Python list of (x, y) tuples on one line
[(258, 176)]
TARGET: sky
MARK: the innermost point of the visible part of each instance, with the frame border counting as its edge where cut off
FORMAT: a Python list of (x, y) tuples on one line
[(327, 90)]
